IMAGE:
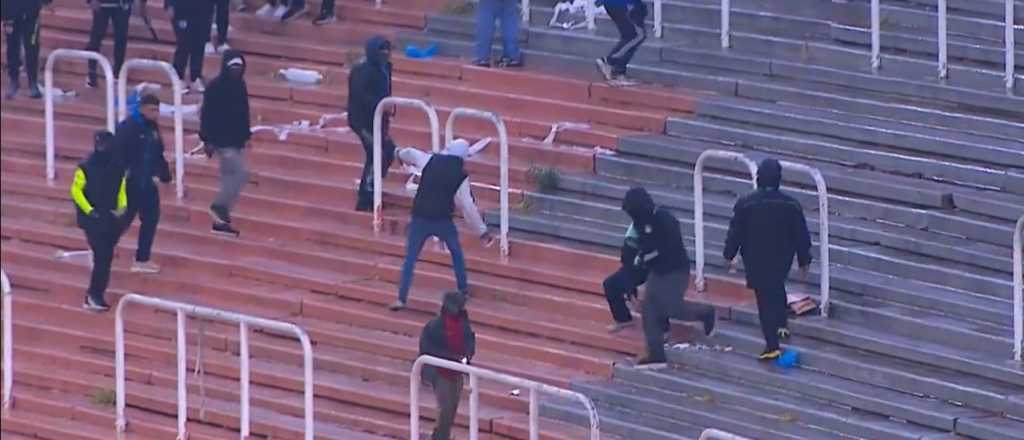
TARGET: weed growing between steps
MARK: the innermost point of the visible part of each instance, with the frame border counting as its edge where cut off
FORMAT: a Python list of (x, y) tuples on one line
[(544, 179), (461, 8), (104, 397)]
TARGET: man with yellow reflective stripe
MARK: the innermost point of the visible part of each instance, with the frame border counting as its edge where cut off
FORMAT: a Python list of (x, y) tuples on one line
[(100, 199)]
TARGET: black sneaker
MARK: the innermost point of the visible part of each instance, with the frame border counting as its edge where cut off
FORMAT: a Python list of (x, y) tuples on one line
[(12, 89), (34, 92), (292, 12), (646, 363), (224, 229), (482, 62), (510, 62), (220, 214), (324, 18), (91, 82), (710, 323), (95, 305)]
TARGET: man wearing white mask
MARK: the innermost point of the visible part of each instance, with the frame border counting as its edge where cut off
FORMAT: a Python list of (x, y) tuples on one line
[(444, 184)]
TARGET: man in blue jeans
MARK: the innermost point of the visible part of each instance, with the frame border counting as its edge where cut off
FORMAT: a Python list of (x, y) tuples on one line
[(443, 184), (487, 11)]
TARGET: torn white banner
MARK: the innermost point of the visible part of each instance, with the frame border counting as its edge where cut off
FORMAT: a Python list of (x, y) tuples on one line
[(561, 126), (301, 76)]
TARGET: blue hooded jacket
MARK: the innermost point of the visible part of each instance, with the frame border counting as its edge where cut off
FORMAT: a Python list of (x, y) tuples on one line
[(368, 83)]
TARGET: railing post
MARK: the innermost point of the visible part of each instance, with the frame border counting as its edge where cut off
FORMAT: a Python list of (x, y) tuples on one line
[(182, 377), (179, 123), (8, 351), (943, 44), (51, 61), (503, 184), (698, 203), (378, 119), (525, 12), (1009, 39), (876, 38), (659, 30), (1018, 289), (474, 407), (726, 30), (534, 415), (243, 379), (119, 375)]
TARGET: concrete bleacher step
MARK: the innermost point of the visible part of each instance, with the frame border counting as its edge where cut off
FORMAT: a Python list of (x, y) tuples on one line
[(787, 405), (960, 46), (844, 368), (624, 422)]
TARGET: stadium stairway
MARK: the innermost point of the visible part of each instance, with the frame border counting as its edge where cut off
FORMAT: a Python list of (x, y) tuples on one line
[(925, 181)]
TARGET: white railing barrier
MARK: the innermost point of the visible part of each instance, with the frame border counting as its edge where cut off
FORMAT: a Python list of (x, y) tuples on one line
[(524, 12), (8, 325), (659, 28), (876, 38), (51, 61), (179, 125), (943, 43), (823, 232), (378, 118), (474, 396), (1010, 46), (698, 201), (244, 322), (714, 434), (726, 25), (499, 125), (1018, 289)]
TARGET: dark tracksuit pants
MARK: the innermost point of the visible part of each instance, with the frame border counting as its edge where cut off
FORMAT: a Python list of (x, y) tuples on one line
[(448, 392), (143, 201), (388, 156), (23, 33), (619, 284), (190, 37), (101, 19), (102, 235), (632, 32), (221, 15), (664, 300), (327, 7), (773, 312)]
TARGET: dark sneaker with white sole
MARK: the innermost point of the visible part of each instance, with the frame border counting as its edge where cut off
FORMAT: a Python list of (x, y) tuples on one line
[(605, 69), (95, 305), (646, 363), (225, 229), (219, 214), (324, 18)]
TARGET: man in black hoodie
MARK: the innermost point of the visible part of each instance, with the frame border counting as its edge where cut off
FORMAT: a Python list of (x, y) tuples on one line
[(768, 228), (191, 22), (449, 336), (368, 84), (225, 132), (105, 12), (662, 252), (100, 197), (140, 149), (21, 29)]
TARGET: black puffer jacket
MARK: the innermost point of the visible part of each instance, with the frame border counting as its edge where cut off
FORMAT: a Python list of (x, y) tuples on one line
[(140, 149), (224, 118), (768, 228), (368, 83)]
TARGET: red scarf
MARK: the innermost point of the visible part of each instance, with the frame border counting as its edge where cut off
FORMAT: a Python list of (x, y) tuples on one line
[(456, 341)]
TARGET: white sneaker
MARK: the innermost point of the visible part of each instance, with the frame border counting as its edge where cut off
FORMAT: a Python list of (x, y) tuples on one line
[(223, 47), (604, 68), (145, 267), (198, 86), (280, 11), (265, 11), (210, 50)]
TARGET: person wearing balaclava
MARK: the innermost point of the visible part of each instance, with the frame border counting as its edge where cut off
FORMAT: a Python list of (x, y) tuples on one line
[(768, 228), (449, 336), (140, 149), (225, 131), (663, 254), (368, 83), (100, 198), (443, 184)]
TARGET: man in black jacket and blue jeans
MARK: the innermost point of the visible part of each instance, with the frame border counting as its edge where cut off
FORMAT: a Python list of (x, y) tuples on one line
[(368, 84), (662, 252), (140, 149), (225, 132), (768, 228)]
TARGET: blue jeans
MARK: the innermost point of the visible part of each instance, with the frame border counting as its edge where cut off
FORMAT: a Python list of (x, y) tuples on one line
[(419, 231), (487, 11)]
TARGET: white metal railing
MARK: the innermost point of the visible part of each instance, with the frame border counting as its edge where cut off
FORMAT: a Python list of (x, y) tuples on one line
[(876, 35), (1010, 46), (8, 355), (378, 117), (823, 228), (244, 322), (499, 125), (698, 201), (179, 125), (714, 434), (943, 43), (726, 24), (659, 28), (590, 12), (1018, 289), (474, 396), (51, 61)]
